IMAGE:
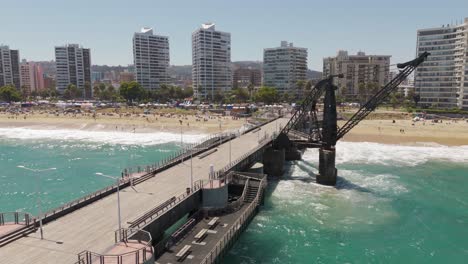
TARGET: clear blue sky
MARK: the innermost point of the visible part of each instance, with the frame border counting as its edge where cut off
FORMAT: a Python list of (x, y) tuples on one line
[(106, 26)]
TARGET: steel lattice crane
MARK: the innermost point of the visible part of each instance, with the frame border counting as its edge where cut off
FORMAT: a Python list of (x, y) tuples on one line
[(328, 134), (308, 105)]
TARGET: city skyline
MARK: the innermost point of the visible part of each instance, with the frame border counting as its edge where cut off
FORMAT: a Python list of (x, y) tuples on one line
[(306, 24)]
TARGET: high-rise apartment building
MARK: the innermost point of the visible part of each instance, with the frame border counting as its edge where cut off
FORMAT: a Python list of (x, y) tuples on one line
[(73, 64), (442, 80), (211, 62), (9, 67), (357, 69), (244, 77), (151, 58), (284, 66), (32, 76)]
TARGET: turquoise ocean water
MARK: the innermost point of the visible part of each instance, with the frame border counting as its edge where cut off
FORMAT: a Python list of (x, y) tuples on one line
[(393, 204)]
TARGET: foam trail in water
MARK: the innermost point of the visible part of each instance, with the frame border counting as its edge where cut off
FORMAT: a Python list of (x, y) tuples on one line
[(108, 137), (383, 154)]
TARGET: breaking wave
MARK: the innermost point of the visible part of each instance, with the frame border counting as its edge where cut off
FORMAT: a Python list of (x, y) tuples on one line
[(107, 137)]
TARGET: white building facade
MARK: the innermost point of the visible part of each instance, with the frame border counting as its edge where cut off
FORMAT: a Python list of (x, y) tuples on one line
[(73, 65), (151, 58), (357, 69), (441, 81), (9, 67), (211, 62), (283, 67)]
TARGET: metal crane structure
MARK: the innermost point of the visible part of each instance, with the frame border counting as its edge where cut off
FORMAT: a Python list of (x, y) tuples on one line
[(325, 136)]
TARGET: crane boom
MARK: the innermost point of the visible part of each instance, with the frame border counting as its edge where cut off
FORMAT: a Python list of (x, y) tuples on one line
[(307, 104), (405, 70)]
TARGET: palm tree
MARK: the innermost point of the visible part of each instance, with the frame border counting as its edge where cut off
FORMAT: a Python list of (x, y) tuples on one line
[(250, 88)]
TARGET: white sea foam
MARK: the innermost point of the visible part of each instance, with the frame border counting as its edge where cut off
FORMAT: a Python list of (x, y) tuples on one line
[(383, 154), (107, 137)]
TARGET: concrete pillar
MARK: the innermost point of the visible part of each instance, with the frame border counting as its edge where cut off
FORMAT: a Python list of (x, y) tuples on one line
[(327, 170), (216, 197), (273, 162), (292, 153)]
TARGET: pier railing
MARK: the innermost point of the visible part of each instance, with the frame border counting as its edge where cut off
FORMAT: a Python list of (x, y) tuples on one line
[(154, 213), (150, 171), (236, 229), (143, 250), (246, 159), (187, 151), (18, 218), (82, 201)]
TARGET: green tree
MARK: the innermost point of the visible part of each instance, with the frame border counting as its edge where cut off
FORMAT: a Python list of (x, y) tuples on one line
[(394, 100), (286, 98), (239, 95), (250, 88), (308, 85), (96, 91), (72, 92), (87, 90), (372, 88), (9, 94), (218, 96), (267, 95), (300, 88), (362, 93), (132, 91), (164, 93), (25, 92), (188, 92)]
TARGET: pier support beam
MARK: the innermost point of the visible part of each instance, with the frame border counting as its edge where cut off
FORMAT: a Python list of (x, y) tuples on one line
[(292, 153), (273, 162), (327, 170)]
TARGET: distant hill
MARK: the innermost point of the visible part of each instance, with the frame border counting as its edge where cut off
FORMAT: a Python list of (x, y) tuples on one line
[(247, 64), (105, 68), (311, 74), (185, 71), (180, 70)]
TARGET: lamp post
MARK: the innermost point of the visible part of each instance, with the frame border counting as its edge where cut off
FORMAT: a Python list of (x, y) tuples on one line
[(181, 137), (39, 204), (118, 198), (230, 139), (191, 165), (220, 137)]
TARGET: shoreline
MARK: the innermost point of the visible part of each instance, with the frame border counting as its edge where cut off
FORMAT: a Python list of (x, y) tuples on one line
[(402, 132)]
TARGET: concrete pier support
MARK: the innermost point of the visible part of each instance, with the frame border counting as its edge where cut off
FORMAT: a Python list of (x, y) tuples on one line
[(292, 153), (273, 162), (327, 170)]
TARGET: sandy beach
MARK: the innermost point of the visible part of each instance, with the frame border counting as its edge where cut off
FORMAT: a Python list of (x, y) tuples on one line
[(449, 132), (137, 123), (403, 131)]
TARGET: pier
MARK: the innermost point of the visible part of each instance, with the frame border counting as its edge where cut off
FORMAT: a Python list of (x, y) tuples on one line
[(86, 230)]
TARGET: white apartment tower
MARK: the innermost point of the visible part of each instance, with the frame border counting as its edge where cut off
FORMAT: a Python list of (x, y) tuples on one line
[(151, 58), (357, 69), (9, 67), (73, 64), (211, 62), (442, 80), (283, 67)]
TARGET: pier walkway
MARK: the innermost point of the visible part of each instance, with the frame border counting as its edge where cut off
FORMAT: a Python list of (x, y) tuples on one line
[(93, 226)]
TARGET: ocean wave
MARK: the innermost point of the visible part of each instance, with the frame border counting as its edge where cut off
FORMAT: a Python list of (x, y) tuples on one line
[(107, 137), (389, 155)]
